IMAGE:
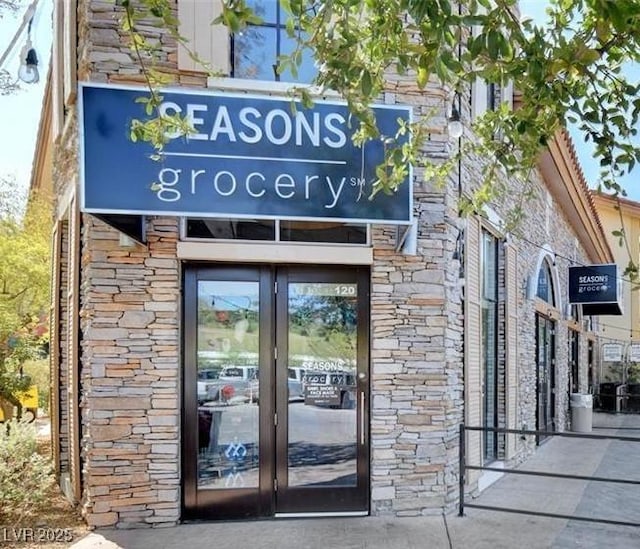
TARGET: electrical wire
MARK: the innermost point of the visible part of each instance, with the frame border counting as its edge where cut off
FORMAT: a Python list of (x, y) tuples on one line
[(574, 262)]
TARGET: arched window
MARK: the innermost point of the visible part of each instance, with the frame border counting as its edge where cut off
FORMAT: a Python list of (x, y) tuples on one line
[(545, 284)]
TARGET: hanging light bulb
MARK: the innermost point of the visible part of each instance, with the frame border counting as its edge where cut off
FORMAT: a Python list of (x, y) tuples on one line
[(28, 71), (454, 125)]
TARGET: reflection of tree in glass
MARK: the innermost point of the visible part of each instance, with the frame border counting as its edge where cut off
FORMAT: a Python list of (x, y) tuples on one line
[(332, 312), (226, 312), (247, 44), (325, 319), (226, 322)]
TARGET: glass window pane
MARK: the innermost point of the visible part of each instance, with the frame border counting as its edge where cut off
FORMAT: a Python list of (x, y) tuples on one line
[(307, 69), (322, 416), (227, 339), (254, 53), (306, 231), (489, 339), (545, 284), (231, 229), (489, 350), (489, 267), (266, 9)]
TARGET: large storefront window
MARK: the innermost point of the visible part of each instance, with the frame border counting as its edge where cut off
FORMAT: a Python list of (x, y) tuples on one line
[(545, 354), (489, 297)]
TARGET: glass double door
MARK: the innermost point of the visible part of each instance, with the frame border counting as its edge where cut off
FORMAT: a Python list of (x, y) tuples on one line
[(276, 385)]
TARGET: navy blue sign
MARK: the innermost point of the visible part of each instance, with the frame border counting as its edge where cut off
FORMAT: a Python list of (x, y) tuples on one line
[(593, 284), (250, 156)]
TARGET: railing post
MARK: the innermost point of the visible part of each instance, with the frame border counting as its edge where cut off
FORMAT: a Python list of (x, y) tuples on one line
[(462, 472)]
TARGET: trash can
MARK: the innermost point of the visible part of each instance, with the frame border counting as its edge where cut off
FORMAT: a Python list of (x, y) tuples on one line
[(581, 413)]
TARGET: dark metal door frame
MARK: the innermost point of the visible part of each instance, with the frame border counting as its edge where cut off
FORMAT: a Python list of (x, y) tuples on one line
[(545, 373), (301, 500), (235, 503), (266, 500), (574, 361)]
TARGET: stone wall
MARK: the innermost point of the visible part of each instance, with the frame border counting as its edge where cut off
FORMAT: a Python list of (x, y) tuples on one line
[(130, 326), (130, 376), (545, 227), (416, 339), (417, 379), (63, 351)]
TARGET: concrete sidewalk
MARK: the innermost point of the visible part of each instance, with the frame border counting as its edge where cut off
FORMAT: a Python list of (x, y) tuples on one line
[(478, 529)]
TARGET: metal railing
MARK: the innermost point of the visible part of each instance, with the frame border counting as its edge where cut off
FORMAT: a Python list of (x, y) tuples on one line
[(464, 467)]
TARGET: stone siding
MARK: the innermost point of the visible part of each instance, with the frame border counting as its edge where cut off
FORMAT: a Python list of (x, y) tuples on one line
[(130, 302), (63, 351), (131, 365), (546, 228), (416, 360)]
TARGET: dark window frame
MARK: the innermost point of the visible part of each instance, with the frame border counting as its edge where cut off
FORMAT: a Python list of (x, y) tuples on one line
[(343, 233), (280, 28), (550, 296), (490, 302)]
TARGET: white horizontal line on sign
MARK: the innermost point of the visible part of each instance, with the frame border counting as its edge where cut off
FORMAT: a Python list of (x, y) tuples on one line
[(268, 158)]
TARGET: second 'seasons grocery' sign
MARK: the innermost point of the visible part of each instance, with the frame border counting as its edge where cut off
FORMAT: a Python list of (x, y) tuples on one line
[(250, 156)]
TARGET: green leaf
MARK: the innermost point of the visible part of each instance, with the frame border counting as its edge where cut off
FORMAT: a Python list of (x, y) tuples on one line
[(365, 83), (231, 20), (592, 116), (589, 56), (493, 44), (472, 20), (423, 77)]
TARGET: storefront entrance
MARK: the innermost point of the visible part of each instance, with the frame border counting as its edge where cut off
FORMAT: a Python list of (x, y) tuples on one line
[(546, 394), (276, 392)]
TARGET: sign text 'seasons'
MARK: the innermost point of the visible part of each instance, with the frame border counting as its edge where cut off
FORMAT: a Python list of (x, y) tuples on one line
[(248, 156), (593, 283), (251, 126)]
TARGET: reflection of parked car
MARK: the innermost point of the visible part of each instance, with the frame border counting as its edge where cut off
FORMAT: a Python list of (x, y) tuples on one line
[(233, 373), (229, 387), (207, 385), (294, 384), (336, 389), (295, 377)]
